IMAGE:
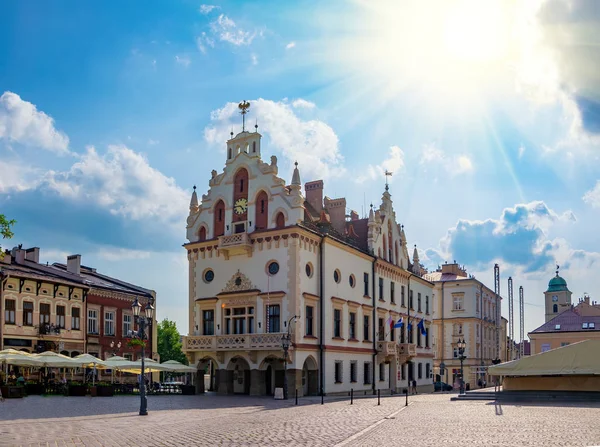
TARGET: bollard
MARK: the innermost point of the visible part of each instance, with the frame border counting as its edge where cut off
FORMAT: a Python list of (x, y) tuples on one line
[(406, 392), (322, 397), (296, 396), (378, 397), (351, 396)]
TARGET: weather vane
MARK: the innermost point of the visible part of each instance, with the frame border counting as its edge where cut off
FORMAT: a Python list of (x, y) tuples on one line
[(557, 268), (244, 106), (387, 174)]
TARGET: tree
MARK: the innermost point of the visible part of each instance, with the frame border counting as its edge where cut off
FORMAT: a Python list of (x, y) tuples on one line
[(5, 230), (169, 342)]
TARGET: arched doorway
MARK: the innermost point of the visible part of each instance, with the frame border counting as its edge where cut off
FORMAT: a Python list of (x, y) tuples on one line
[(272, 368), (241, 375), (310, 377), (206, 379)]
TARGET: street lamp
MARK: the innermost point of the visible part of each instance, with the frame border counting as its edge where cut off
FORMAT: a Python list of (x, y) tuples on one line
[(461, 351), (286, 340), (140, 334), (112, 347)]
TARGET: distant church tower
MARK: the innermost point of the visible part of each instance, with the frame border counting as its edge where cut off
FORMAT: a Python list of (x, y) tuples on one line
[(558, 297)]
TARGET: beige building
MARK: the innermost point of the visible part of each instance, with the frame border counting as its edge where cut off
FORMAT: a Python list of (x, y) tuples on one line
[(266, 260), (465, 309), (43, 308)]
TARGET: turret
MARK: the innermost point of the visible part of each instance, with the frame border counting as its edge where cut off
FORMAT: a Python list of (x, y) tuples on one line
[(194, 202)]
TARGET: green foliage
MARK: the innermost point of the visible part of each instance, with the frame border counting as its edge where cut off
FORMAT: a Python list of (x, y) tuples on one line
[(136, 342), (169, 344), (5, 230)]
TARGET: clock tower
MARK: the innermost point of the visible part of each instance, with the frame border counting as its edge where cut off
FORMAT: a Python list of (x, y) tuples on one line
[(558, 297)]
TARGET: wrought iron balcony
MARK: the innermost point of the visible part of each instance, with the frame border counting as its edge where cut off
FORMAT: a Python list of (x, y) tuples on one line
[(235, 244), (49, 329), (245, 342)]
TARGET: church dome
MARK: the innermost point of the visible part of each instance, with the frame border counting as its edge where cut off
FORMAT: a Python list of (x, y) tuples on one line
[(557, 284)]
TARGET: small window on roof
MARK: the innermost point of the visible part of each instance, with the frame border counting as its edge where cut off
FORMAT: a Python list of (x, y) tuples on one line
[(556, 327), (592, 325), (584, 325)]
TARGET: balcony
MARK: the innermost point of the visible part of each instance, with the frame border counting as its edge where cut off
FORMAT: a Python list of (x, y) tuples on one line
[(239, 342), (386, 348), (406, 351), (49, 329), (235, 244)]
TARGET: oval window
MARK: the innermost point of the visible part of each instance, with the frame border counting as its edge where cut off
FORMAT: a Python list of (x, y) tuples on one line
[(308, 270), (351, 281), (273, 268), (336, 276), (209, 275)]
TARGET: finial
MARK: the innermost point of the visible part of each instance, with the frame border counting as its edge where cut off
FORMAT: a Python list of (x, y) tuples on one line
[(296, 164), (231, 133), (387, 174), (256, 126), (194, 187), (402, 227), (244, 106), (371, 205), (557, 268)]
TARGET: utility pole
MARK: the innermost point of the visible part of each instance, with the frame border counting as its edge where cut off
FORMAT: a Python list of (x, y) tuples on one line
[(521, 323)]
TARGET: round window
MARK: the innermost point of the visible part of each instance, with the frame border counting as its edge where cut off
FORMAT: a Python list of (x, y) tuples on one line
[(308, 270), (209, 275), (273, 268), (336, 276), (351, 281)]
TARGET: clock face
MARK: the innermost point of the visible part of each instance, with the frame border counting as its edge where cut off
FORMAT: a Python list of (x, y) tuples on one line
[(554, 298), (240, 206)]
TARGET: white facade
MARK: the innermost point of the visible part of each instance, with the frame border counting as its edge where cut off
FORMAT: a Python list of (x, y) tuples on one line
[(260, 254)]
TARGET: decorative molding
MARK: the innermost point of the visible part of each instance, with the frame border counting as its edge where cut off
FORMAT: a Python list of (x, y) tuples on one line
[(239, 282)]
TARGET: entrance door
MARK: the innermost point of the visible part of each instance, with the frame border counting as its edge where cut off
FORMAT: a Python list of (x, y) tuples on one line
[(305, 381), (269, 380)]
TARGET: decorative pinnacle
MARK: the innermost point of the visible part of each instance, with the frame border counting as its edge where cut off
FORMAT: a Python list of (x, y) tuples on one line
[(194, 187), (244, 106)]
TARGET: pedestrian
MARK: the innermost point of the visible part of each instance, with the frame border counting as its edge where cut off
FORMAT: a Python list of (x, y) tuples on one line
[(414, 387)]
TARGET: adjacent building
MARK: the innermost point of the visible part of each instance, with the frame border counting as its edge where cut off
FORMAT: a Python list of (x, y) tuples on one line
[(468, 310), (266, 260)]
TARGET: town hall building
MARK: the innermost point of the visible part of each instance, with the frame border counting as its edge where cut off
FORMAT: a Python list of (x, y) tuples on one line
[(267, 261)]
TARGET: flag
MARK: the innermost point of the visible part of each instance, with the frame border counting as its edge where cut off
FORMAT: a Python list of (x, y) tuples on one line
[(399, 323), (421, 326), (409, 326), (389, 321)]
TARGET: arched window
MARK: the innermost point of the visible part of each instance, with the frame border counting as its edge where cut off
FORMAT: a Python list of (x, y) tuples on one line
[(262, 211), (390, 243), (202, 234), (254, 146), (280, 220), (385, 253), (555, 308), (396, 253), (219, 224), (229, 153)]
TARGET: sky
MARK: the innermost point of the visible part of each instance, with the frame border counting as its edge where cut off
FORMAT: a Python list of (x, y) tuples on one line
[(487, 114)]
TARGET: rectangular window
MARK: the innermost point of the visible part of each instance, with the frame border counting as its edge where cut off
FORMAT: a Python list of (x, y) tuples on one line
[(564, 343), (381, 372), (366, 328), (427, 370), (477, 303), (427, 304), (427, 339), (455, 353), (352, 326), (44, 313), (309, 320), (402, 301), (92, 321), (403, 369), (392, 292), (126, 325), (380, 289), (337, 323), (128, 356), (457, 302), (273, 313), (109, 323), (9, 311), (75, 319), (392, 333), (410, 300), (418, 338), (338, 372), (353, 372), (366, 283), (208, 322), (402, 336), (60, 316), (420, 371), (419, 302), (381, 329), (367, 373)]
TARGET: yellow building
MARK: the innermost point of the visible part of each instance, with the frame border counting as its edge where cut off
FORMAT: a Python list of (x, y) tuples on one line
[(465, 309), (44, 309)]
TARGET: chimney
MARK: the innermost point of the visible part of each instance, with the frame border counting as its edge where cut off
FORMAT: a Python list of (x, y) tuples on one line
[(18, 254), (314, 194), (337, 211), (586, 298), (74, 264), (33, 254), (353, 215)]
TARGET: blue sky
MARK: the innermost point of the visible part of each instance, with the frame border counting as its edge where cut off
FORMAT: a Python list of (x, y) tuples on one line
[(489, 118)]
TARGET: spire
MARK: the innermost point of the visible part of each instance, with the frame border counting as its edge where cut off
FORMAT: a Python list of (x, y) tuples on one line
[(371, 214), (415, 255), (296, 176), (387, 174), (402, 235), (194, 201)]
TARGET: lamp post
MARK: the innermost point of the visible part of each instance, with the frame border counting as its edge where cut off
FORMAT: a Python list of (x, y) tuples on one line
[(143, 322), (286, 340), (112, 347), (461, 351)]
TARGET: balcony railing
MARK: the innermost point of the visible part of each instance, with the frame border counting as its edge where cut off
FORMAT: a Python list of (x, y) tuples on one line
[(254, 342), (48, 329), (386, 347), (407, 350), (235, 244)]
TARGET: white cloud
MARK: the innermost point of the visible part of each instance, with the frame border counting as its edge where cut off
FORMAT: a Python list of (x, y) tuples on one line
[(206, 9), (456, 165), (228, 31), (121, 254), (311, 142), (123, 182), (592, 197), (21, 122), (393, 164), (152, 142), (303, 104), (183, 60), (203, 42), (16, 176), (521, 151), (290, 45)]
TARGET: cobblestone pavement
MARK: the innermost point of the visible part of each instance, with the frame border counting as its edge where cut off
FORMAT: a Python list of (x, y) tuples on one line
[(231, 420)]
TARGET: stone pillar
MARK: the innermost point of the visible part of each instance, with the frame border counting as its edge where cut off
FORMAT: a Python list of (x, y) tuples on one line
[(200, 382), (394, 375), (225, 381), (258, 383), (294, 379), (313, 382)]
